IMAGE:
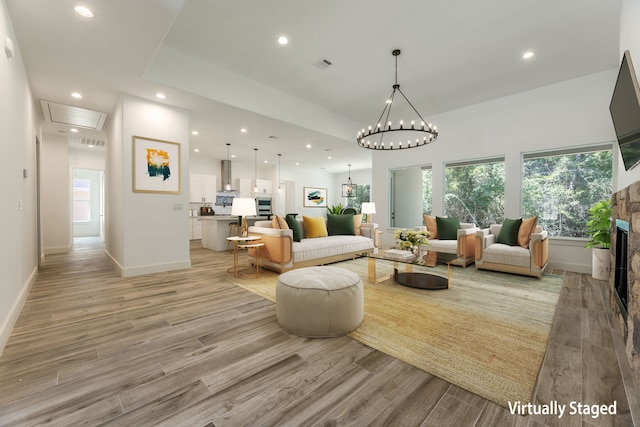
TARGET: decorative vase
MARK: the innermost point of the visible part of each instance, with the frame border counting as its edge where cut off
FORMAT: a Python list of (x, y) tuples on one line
[(600, 263)]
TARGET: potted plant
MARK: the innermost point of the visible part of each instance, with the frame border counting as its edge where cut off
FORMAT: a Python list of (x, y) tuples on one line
[(599, 227), (335, 209)]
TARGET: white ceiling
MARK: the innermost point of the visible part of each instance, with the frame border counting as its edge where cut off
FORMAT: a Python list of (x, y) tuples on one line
[(220, 61)]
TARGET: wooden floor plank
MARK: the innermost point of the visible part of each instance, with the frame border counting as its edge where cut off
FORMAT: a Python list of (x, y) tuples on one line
[(189, 348)]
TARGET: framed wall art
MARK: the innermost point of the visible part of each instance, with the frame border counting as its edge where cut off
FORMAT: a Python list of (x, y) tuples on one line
[(156, 166), (315, 197)]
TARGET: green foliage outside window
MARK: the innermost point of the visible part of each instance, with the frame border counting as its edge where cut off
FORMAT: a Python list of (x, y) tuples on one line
[(363, 195), (475, 192), (561, 189)]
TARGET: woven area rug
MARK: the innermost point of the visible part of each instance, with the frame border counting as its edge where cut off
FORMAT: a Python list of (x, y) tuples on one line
[(487, 333)]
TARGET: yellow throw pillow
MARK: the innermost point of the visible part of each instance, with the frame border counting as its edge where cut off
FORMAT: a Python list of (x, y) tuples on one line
[(357, 223), (314, 227), (432, 226), (279, 222), (527, 227)]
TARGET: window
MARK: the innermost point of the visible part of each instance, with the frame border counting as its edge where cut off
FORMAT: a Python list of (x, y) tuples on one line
[(560, 187), (81, 200), (427, 183), (474, 191), (362, 195)]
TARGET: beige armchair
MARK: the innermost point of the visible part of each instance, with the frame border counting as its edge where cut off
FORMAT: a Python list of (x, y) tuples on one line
[(463, 246), (530, 261)]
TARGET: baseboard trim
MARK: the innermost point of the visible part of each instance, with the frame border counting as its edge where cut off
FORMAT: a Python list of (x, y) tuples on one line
[(148, 269), (576, 268), (57, 250), (12, 318)]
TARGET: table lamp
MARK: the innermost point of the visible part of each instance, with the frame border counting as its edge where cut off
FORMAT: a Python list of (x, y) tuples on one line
[(243, 206), (368, 208)]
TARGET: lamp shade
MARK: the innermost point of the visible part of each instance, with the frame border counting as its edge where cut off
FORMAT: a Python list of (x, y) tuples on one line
[(368, 207), (243, 206)]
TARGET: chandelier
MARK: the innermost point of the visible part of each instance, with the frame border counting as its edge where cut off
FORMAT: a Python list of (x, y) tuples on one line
[(405, 135), (350, 188)]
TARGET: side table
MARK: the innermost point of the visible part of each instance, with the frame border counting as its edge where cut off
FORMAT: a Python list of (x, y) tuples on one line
[(237, 241)]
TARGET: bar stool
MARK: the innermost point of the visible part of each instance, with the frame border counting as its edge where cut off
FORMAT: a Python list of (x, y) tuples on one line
[(234, 230)]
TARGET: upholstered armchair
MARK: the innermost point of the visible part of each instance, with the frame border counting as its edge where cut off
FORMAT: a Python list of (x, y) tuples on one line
[(459, 239), (529, 256)]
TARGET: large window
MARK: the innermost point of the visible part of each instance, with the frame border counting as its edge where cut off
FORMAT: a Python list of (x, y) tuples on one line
[(363, 194), (474, 191), (560, 187), (427, 196)]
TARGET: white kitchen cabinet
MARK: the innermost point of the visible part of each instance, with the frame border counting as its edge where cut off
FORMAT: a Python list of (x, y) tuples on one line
[(202, 188), (196, 228), (264, 187), (245, 187)]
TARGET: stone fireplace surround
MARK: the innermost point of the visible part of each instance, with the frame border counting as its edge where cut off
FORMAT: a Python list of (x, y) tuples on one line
[(626, 207)]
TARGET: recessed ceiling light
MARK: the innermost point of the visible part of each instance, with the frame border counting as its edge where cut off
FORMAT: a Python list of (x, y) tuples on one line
[(76, 95), (197, 150), (160, 95), (243, 130), (283, 40), (329, 157), (308, 145), (297, 163), (266, 161), (528, 55), (233, 155), (83, 11), (90, 146), (74, 130), (195, 132)]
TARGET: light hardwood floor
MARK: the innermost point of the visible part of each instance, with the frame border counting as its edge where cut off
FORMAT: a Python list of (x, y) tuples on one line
[(189, 348)]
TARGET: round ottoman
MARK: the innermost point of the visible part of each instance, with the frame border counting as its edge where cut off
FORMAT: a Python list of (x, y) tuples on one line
[(319, 302)]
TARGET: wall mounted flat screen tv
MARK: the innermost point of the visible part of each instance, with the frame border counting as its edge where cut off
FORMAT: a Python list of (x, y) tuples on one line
[(625, 112)]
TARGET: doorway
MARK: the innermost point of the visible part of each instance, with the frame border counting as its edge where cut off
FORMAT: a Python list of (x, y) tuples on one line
[(88, 203)]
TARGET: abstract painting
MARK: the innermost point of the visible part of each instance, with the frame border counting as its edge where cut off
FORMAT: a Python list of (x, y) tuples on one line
[(315, 197), (156, 166)]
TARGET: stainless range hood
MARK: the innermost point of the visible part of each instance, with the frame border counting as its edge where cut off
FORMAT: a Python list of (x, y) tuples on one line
[(225, 177)]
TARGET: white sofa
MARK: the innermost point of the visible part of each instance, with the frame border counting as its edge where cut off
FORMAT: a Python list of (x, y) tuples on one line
[(530, 261), (463, 246), (281, 253)]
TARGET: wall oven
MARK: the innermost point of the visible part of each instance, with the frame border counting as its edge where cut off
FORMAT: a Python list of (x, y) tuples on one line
[(263, 206)]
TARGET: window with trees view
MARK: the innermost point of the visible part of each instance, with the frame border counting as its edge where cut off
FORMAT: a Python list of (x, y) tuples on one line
[(560, 187), (363, 194), (474, 191), (427, 196)]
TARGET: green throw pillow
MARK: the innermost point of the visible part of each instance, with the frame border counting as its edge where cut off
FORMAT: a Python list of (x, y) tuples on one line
[(295, 226), (509, 232), (448, 227), (338, 225)]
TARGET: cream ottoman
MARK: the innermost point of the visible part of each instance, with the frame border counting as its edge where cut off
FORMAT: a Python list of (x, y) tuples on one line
[(319, 301)]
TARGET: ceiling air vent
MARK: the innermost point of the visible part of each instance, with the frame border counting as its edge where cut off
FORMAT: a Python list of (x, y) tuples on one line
[(92, 142), (72, 116), (323, 64)]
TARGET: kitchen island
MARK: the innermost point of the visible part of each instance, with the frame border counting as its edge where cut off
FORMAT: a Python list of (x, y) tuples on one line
[(215, 230)]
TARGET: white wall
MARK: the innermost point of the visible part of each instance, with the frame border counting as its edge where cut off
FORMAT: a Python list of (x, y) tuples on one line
[(56, 195), (629, 40), (152, 230), (571, 113), (18, 228)]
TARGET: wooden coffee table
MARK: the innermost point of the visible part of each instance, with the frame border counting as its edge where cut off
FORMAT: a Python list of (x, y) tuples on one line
[(408, 277)]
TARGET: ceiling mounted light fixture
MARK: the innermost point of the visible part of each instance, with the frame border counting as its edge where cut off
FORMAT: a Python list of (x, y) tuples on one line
[(350, 188), (379, 138), (255, 171)]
